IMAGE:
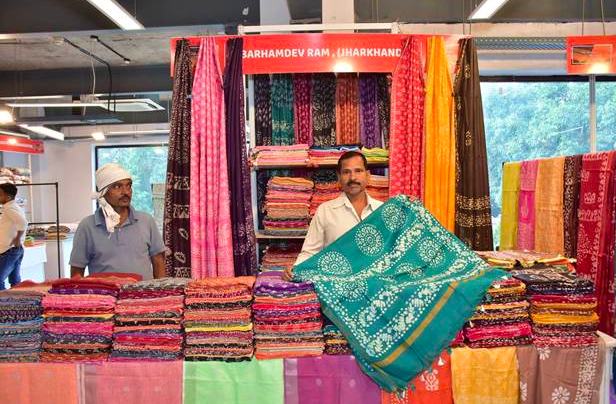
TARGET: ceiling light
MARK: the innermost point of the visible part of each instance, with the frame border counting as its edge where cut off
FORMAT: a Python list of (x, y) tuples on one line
[(486, 9), (118, 105), (5, 116), (12, 141), (32, 97), (140, 131), (53, 104), (42, 130), (98, 136), (117, 14)]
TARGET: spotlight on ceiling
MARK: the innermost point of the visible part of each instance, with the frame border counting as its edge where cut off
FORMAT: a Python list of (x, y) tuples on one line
[(5, 116), (116, 13), (486, 9)]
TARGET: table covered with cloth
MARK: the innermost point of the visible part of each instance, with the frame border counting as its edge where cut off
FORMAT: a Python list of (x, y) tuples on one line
[(501, 375), (399, 286)]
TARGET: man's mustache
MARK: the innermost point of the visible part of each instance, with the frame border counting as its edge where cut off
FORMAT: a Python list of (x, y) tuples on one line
[(352, 183)]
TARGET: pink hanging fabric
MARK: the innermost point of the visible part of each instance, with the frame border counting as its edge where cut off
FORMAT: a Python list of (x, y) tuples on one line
[(526, 205), (407, 121), (210, 218), (302, 108)]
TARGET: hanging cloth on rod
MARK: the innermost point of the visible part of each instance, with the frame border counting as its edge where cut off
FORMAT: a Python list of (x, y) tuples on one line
[(347, 111), (176, 223), (571, 203), (440, 142), (370, 132), (407, 122), (263, 109), (210, 220), (526, 207), (243, 232), (302, 89), (473, 213), (509, 209), (549, 230), (283, 132), (324, 109)]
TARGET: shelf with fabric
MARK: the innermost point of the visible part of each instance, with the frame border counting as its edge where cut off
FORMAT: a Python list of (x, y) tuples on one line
[(261, 235), (309, 166)]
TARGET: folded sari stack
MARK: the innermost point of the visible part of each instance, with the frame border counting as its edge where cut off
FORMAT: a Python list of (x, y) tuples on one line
[(78, 315), (335, 343), (287, 318), (563, 308), (502, 318), (328, 155), (526, 259), (378, 187), (287, 206), (326, 188), (376, 155), (20, 325), (148, 320), (280, 155), (280, 257), (217, 319)]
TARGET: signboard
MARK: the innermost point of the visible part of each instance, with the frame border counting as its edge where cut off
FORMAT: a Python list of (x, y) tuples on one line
[(320, 53), (21, 145), (591, 55)]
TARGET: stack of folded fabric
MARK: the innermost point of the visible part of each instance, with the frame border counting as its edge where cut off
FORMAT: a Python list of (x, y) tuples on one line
[(78, 315), (280, 155), (280, 257), (217, 319), (148, 320), (326, 188), (37, 233), (328, 155), (287, 318), (335, 342), (287, 205), (15, 175), (61, 232), (376, 155), (20, 325), (526, 259), (378, 187), (502, 319), (563, 307)]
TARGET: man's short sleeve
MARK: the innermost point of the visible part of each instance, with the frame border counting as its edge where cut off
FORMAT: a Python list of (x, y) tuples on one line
[(80, 256), (157, 245)]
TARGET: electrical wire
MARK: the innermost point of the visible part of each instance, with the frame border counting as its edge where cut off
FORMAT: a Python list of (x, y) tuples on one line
[(602, 17)]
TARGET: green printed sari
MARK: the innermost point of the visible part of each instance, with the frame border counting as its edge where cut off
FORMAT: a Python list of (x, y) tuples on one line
[(399, 287)]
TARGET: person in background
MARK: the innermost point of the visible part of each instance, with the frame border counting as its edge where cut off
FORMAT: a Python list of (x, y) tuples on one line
[(13, 226), (117, 238), (334, 218)]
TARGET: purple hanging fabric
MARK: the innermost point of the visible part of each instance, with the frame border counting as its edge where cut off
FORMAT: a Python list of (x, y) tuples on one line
[(302, 108), (243, 234), (370, 131)]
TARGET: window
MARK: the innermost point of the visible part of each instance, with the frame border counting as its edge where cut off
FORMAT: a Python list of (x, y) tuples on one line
[(606, 115), (528, 120), (148, 166)]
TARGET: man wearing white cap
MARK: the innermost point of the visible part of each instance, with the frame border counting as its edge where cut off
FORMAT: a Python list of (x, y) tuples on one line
[(117, 238)]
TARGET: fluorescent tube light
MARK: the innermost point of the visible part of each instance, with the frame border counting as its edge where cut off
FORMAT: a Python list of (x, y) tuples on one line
[(11, 133), (42, 130), (486, 9), (117, 14), (5, 116), (53, 104), (98, 136), (140, 132), (33, 97)]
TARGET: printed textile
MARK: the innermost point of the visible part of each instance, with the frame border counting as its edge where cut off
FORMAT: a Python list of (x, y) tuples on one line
[(366, 279)]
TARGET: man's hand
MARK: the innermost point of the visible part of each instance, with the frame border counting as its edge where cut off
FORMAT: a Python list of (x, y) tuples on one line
[(17, 242)]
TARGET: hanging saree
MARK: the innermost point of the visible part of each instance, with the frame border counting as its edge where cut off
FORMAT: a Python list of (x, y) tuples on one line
[(176, 222), (485, 376), (347, 111), (324, 109), (366, 279), (407, 120), (302, 89), (473, 213), (440, 142), (263, 109), (571, 203), (526, 206), (595, 249), (369, 130), (242, 230), (283, 130), (509, 215), (432, 386), (383, 89), (210, 219), (549, 231), (554, 375)]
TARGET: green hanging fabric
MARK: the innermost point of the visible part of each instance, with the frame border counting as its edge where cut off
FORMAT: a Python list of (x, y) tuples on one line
[(255, 382), (399, 287), (283, 130)]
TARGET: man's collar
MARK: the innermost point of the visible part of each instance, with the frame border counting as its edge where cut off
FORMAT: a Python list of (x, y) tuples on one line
[(99, 218), (343, 200)]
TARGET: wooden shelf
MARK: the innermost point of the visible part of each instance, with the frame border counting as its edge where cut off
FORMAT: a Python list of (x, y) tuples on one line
[(262, 236)]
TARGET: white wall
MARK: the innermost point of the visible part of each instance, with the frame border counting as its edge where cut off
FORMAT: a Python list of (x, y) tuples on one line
[(274, 12)]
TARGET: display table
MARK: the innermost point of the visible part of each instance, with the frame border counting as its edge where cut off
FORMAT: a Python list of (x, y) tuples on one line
[(320, 380)]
